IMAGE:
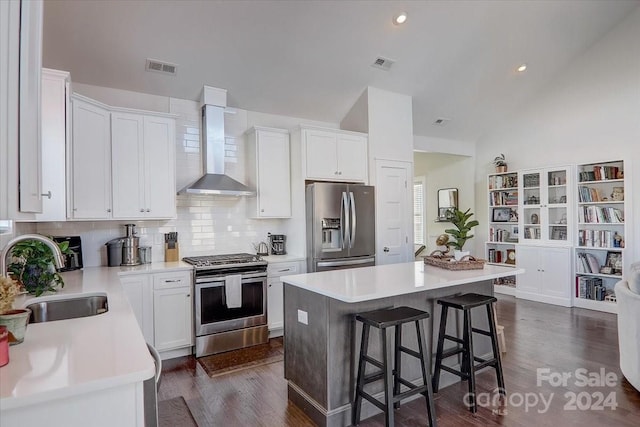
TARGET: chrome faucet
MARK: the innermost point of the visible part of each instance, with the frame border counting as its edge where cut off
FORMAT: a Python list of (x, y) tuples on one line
[(58, 258)]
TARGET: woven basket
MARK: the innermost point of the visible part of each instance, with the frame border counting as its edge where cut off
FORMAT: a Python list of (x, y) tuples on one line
[(437, 259)]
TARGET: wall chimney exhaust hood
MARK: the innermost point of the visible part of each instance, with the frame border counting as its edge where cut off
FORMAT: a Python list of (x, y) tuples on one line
[(214, 180)]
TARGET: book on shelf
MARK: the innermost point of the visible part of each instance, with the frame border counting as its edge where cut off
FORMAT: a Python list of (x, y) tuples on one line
[(590, 288), (600, 173), (587, 263), (600, 215), (588, 194), (599, 238), (497, 182), (503, 198)]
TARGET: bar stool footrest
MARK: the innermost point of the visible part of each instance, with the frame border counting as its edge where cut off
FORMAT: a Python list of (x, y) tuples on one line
[(481, 332), (452, 352), (455, 339)]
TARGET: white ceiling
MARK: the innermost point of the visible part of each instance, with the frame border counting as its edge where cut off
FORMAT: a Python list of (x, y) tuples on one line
[(311, 59)]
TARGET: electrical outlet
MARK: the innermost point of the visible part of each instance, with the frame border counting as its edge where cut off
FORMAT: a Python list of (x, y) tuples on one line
[(303, 317)]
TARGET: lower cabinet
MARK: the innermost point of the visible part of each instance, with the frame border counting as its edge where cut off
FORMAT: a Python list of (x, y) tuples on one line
[(163, 306), (547, 276), (275, 302)]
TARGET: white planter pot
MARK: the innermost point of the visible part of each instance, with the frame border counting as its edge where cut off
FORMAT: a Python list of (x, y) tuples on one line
[(458, 255)]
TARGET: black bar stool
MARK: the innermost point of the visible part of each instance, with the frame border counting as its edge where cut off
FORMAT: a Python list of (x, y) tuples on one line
[(468, 368), (383, 319)]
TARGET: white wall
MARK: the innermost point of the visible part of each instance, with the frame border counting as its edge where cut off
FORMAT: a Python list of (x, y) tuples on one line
[(205, 224), (591, 112), (442, 145), (390, 126), (444, 171)]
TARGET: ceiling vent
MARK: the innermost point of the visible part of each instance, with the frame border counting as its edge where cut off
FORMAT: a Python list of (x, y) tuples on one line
[(441, 121), (161, 67), (383, 63)]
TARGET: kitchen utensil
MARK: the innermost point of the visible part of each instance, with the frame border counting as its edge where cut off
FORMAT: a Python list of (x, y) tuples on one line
[(114, 252), (261, 249), (130, 247), (171, 252), (277, 242), (144, 252)]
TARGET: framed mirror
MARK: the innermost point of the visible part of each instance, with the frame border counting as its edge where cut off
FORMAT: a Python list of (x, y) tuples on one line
[(447, 202)]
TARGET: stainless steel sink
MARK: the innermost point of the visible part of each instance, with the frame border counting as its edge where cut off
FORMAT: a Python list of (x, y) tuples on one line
[(70, 308)]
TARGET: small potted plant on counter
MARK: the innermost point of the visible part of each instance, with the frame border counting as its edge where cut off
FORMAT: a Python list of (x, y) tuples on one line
[(461, 233), (14, 319), (500, 163), (33, 267)]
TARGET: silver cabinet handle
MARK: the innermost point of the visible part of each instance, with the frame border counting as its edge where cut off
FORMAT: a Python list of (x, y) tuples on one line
[(188, 295), (340, 173), (109, 210), (148, 210), (172, 281), (283, 270), (141, 210), (47, 194), (386, 249)]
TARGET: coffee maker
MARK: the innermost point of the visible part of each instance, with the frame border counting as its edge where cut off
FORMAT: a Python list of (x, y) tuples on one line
[(277, 244)]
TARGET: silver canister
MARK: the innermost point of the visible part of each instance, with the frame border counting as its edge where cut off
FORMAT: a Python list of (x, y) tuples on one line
[(130, 251), (144, 253)]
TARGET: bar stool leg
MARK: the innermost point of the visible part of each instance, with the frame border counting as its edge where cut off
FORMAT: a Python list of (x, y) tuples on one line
[(470, 362), (398, 364), (357, 403), (496, 349), (443, 328), (422, 349), (388, 377)]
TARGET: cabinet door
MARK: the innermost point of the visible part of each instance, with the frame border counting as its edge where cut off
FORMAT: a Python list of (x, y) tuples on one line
[(556, 272), (352, 158), (321, 155), (55, 103), (274, 181), (91, 162), (159, 167), (172, 318), (127, 165), (139, 293), (528, 258), (275, 304)]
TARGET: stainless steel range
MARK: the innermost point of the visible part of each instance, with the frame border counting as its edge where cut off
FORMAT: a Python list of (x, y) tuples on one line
[(230, 302)]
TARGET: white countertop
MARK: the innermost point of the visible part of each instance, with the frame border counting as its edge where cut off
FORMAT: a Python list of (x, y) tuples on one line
[(369, 283), (69, 357)]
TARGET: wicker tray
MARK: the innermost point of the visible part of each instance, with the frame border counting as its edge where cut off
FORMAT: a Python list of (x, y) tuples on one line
[(447, 262)]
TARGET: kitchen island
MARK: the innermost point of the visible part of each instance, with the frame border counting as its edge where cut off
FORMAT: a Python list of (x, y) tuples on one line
[(322, 338)]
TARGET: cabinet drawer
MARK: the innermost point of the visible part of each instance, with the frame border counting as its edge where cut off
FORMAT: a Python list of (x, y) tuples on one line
[(283, 269), (175, 279)]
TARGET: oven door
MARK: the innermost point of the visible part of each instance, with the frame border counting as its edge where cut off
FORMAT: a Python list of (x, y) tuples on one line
[(212, 314)]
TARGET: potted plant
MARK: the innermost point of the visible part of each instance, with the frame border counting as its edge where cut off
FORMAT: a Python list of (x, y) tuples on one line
[(32, 266), (14, 319), (461, 233), (500, 163)]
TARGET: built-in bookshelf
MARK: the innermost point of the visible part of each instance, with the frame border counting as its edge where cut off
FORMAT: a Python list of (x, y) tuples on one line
[(502, 226), (600, 233)]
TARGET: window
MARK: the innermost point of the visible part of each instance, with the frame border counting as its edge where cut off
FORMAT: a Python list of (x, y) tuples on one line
[(419, 228)]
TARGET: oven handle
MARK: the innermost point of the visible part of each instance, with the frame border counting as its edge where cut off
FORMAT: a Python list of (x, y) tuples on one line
[(248, 278)]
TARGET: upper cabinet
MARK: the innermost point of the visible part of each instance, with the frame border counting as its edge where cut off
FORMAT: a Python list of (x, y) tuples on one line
[(334, 155), (122, 163), (545, 208), (269, 172), (56, 119), (143, 172), (90, 155)]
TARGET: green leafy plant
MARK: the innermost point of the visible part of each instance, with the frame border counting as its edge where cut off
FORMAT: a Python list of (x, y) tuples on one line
[(463, 227), (500, 160), (33, 266)]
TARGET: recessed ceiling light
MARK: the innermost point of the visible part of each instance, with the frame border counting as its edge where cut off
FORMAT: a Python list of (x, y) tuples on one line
[(400, 18), (521, 68)]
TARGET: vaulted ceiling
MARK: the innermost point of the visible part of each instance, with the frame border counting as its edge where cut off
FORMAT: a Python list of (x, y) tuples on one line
[(311, 59)]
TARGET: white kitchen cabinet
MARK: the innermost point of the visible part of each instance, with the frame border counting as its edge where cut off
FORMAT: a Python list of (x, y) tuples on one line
[(275, 302), (55, 133), (334, 155), (547, 276), (143, 170), (90, 160), (172, 308), (139, 291), (269, 171)]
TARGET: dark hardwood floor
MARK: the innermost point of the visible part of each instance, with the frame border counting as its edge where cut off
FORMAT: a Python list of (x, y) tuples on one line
[(539, 336)]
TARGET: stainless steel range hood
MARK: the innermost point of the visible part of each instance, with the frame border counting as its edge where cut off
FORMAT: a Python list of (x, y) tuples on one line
[(214, 180)]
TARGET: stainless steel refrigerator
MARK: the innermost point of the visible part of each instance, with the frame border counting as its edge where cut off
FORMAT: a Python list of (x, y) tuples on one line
[(340, 226)]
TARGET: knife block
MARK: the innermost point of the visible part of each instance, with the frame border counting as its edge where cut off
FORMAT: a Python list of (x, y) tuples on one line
[(171, 254)]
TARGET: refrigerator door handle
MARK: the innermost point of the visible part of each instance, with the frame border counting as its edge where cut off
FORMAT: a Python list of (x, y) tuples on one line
[(343, 263), (352, 237), (345, 228)]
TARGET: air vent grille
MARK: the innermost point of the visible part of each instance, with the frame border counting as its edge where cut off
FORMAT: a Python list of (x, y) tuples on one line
[(441, 121), (383, 63), (161, 67)]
